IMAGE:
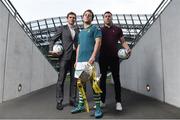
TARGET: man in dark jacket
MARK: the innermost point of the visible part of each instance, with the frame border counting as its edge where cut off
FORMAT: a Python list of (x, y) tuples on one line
[(67, 34), (111, 35)]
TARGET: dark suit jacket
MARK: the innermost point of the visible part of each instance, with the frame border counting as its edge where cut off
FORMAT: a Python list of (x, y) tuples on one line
[(64, 34)]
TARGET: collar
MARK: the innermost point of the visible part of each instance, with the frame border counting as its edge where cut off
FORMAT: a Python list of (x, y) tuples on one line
[(108, 26), (71, 26), (88, 26)]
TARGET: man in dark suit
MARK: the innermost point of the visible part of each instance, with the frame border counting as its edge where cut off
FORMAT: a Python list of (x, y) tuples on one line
[(67, 34)]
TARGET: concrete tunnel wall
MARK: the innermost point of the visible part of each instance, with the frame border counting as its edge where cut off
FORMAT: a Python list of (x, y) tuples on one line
[(21, 61), (155, 59)]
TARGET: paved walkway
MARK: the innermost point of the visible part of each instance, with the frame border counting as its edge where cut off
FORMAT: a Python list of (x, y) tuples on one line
[(41, 105)]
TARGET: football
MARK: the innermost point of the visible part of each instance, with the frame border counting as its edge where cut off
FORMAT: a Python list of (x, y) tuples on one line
[(123, 53), (58, 49)]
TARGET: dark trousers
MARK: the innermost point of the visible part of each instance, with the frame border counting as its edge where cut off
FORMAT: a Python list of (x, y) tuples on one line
[(112, 65), (65, 66)]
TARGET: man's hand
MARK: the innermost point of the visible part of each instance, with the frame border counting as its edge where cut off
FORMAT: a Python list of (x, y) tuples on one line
[(91, 60), (54, 53)]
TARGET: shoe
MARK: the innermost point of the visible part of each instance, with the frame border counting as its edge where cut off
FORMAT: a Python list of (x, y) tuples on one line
[(98, 113), (118, 106), (59, 106), (77, 109), (102, 105)]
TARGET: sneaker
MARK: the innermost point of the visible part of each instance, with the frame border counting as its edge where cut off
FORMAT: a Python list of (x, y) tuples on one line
[(59, 106), (118, 106), (77, 109), (98, 113), (102, 105)]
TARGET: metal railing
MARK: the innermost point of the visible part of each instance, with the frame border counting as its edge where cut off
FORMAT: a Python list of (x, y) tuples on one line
[(133, 26), (20, 21), (44, 29), (39, 31), (151, 20)]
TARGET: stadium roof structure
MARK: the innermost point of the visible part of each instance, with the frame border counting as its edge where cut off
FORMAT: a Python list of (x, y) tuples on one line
[(131, 24)]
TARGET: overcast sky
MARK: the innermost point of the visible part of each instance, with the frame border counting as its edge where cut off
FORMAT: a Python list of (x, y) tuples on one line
[(39, 9)]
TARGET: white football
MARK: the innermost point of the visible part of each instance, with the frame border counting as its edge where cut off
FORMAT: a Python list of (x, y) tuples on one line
[(58, 48), (123, 53)]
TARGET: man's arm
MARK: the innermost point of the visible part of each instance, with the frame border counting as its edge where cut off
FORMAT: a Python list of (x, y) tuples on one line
[(96, 50), (54, 39)]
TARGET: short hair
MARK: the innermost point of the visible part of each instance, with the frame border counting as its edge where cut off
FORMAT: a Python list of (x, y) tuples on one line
[(71, 13), (107, 12), (90, 12)]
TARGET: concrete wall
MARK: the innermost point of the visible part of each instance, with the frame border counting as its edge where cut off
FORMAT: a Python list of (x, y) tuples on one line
[(22, 62), (145, 65), (45, 75), (170, 27), (18, 62), (3, 40), (155, 59)]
